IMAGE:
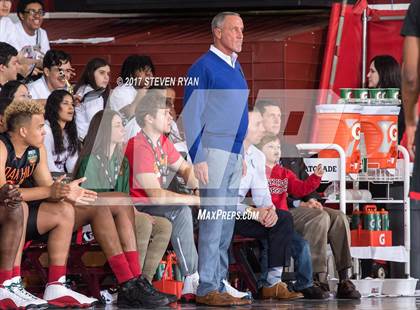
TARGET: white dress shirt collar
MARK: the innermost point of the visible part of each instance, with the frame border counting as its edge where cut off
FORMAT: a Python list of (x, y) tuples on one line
[(230, 60)]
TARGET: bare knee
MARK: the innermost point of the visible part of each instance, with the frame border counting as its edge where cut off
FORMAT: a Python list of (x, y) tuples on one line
[(129, 211), (102, 211), (122, 209), (65, 211)]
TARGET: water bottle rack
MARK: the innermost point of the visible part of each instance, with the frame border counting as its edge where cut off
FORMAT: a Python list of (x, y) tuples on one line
[(379, 176), (376, 176)]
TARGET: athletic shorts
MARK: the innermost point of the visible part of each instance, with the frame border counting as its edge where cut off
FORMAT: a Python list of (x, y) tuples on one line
[(32, 233), (32, 227)]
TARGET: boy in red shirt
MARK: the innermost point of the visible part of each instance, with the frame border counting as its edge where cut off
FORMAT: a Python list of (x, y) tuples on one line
[(283, 181)]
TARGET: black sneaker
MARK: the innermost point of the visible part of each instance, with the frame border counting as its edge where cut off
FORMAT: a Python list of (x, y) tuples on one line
[(151, 288), (347, 290), (314, 292), (132, 294)]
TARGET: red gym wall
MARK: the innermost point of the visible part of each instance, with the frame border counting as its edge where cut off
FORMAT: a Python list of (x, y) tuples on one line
[(279, 51)]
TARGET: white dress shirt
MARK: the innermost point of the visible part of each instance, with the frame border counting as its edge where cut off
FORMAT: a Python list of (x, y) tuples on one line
[(39, 89), (230, 60), (255, 180)]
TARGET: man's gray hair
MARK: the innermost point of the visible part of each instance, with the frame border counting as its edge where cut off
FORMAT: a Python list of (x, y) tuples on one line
[(218, 20)]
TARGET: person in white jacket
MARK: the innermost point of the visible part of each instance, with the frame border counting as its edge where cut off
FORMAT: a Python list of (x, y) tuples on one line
[(92, 90), (61, 142)]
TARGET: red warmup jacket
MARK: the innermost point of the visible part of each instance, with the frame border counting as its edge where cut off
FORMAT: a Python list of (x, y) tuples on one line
[(282, 181)]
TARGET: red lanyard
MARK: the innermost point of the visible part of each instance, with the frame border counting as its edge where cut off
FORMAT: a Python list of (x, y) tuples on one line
[(161, 164)]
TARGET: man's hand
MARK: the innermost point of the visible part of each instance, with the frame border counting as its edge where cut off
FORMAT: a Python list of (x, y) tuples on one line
[(11, 196), (244, 168), (59, 189), (410, 131), (267, 216), (201, 172), (271, 217), (312, 204), (319, 171), (79, 195)]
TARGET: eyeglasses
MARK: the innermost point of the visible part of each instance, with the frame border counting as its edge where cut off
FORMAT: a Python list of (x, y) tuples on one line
[(33, 13)]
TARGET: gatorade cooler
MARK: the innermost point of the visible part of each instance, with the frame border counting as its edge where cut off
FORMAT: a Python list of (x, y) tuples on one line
[(379, 128), (340, 124)]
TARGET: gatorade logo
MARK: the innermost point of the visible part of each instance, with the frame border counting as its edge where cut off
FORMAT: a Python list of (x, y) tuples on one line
[(355, 131), (372, 224), (354, 126), (393, 132), (382, 239), (387, 131), (364, 95)]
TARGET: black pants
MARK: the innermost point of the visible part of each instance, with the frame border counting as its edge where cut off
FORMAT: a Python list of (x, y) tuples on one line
[(279, 237)]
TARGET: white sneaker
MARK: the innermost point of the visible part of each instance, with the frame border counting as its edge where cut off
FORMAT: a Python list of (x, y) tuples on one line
[(57, 294), (108, 297), (32, 301), (8, 299), (234, 292), (189, 291)]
